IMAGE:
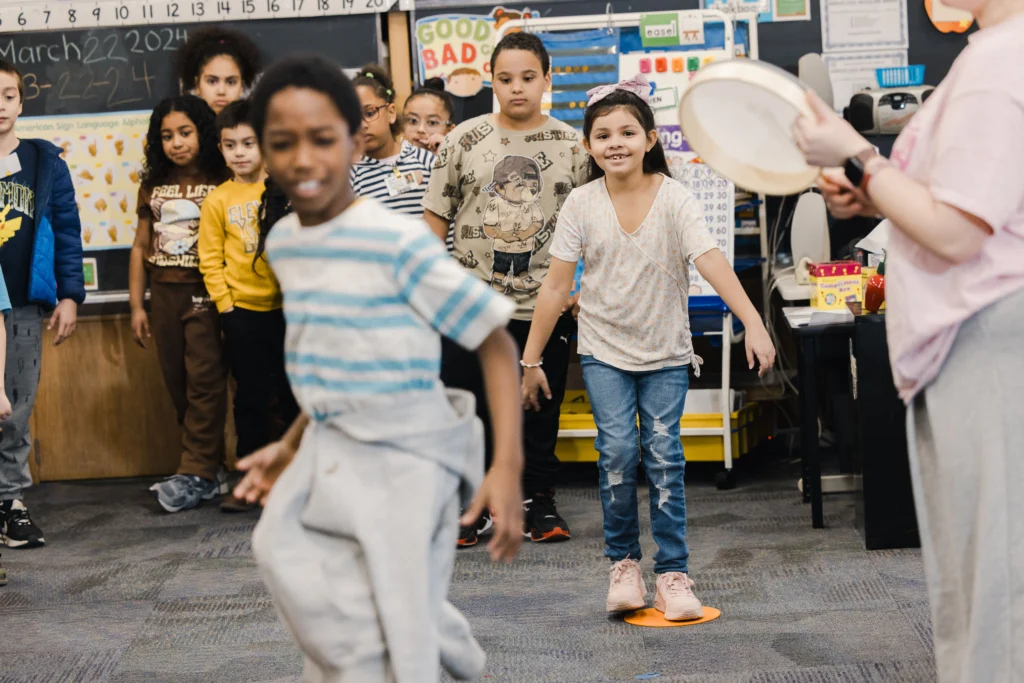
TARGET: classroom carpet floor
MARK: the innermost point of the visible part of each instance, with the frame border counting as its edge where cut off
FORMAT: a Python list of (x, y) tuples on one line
[(124, 592)]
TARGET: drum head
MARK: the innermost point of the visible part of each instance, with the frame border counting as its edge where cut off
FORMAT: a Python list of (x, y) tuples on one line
[(738, 115)]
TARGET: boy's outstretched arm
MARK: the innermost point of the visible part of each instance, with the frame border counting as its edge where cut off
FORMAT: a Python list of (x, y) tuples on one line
[(501, 491), (263, 467)]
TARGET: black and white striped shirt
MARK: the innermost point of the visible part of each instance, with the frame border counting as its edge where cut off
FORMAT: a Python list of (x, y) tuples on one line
[(369, 179)]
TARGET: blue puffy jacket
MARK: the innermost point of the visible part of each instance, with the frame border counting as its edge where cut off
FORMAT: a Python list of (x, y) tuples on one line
[(56, 272)]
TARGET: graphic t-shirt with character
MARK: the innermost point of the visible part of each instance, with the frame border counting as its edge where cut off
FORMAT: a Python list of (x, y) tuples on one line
[(503, 190), (173, 210)]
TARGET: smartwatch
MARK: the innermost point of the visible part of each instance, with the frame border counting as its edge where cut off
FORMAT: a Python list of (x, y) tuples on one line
[(854, 168)]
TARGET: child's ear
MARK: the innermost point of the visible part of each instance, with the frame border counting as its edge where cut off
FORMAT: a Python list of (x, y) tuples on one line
[(392, 112), (358, 144), (652, 139), (586, 146)]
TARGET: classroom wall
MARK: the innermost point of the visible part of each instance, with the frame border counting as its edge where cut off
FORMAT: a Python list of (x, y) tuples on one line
[(781, 43)]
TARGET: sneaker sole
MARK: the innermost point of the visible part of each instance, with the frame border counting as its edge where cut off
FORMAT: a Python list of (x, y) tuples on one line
[(172, 509), (614, 608), (22, 545), (553, 536), (466, 544), (659, 605)]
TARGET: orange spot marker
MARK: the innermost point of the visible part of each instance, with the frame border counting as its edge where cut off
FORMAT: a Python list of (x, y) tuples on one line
[(652, 618)]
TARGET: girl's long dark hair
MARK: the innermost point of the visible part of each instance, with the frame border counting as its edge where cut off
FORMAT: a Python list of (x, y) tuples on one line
[(157, 169), (654, 160), (214, 41), (274, 205)]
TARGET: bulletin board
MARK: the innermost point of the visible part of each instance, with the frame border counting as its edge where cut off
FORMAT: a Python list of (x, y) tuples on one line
[(91, 92), (780, 43)]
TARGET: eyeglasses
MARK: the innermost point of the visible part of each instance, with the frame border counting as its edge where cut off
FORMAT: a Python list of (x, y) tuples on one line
[(432, 125), (371, 114)]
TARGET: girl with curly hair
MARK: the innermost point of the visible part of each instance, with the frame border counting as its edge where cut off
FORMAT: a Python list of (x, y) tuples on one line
[(181, 167), (218, 65)]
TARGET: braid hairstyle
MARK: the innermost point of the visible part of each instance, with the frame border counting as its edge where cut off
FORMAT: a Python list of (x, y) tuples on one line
[(274, 205), (157, 169)]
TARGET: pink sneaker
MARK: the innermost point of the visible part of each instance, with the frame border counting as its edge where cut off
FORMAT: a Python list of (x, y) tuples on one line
[(675, 598), (626, 590)]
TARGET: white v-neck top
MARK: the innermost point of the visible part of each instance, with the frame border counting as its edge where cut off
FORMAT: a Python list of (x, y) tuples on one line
[(634, 290)]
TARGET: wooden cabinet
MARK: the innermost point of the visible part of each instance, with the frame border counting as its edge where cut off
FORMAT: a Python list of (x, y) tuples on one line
[(102, 409)]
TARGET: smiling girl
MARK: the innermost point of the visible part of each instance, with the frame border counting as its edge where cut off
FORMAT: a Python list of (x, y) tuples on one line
[(182, 166), (637, 231)]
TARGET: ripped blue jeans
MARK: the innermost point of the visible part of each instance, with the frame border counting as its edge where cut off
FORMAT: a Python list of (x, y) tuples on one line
[(617, 397)]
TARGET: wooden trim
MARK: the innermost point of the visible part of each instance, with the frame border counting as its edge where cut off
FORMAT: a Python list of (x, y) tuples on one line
[(400, 56)]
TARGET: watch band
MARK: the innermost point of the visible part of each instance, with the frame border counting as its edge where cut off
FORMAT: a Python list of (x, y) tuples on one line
[(855, 168)]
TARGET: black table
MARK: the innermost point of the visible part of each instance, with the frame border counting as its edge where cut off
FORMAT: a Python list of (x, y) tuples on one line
[(819, 348), (885, 513)]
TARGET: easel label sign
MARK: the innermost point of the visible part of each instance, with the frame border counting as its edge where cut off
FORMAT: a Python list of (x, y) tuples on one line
[(664, 98), (671, 29)]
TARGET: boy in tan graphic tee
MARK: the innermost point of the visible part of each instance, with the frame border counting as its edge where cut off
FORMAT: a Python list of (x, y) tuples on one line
[(501, 180)]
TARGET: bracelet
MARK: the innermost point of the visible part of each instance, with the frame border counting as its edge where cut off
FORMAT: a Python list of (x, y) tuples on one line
[(532, 365)]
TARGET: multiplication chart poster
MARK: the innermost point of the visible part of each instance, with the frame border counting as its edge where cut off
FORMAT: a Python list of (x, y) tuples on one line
[(717, 198)]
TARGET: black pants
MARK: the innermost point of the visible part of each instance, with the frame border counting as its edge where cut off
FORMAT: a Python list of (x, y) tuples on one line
[(460, 369), (264, 404)]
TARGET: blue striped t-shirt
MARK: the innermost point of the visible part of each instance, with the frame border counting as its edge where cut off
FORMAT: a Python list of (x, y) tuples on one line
[(366, 296)]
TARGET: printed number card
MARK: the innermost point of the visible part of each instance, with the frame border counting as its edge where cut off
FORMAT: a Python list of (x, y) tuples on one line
[(86, 14), (717, 198)]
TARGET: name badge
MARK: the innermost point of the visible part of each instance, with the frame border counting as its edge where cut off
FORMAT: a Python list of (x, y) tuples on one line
[(397, 183), (10, 165)]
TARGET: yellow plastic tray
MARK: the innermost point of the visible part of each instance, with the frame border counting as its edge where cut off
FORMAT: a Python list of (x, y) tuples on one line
[(577, 415)]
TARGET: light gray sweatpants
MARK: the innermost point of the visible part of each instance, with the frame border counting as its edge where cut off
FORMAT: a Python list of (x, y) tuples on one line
[(357, 543), (966, 445), (21, 380)]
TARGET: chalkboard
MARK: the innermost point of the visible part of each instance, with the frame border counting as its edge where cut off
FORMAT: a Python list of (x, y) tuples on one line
[(780, 43), (130, 69)]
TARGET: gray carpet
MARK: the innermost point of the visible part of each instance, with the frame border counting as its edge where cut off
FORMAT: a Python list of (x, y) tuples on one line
[(125, 593)]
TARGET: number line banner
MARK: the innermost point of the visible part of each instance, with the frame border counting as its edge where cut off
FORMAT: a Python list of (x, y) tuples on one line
[(87, 14)]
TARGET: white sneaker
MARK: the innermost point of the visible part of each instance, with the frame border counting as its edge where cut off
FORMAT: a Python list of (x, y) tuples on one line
[(675, 598), (626, 589)]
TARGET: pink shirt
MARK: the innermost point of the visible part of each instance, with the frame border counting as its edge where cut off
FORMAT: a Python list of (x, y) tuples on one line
[(967, 145)]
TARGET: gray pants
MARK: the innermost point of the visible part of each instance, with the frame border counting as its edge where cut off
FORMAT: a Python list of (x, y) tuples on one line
[(24, 327), (357, 544), (966, 434)]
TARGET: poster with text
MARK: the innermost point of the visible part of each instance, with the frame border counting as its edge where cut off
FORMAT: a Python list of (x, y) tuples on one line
[(104, 154), (457, 47)]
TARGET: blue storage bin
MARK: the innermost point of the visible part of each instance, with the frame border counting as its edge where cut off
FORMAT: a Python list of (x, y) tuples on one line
[(900, 76)]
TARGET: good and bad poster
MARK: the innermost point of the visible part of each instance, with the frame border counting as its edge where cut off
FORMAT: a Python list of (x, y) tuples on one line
[(457, 47), (104, 154)]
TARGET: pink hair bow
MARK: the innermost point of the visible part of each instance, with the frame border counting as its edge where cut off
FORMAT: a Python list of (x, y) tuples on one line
[(638, 85)]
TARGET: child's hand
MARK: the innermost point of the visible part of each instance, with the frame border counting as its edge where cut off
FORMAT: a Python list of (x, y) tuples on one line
[(842, 198), (5, 406), (759, 345), (140, 327), (65, 319), (502, 493), (263, 468), (534, 381), (573, 304), (434, 142)]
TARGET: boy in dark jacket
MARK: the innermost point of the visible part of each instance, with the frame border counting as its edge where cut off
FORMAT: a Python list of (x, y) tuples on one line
[(41, 259)]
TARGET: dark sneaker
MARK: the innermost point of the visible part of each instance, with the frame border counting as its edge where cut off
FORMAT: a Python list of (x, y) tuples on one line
[(541, 522), (231, 504), (184, 491), (470, 535), (16, 527)]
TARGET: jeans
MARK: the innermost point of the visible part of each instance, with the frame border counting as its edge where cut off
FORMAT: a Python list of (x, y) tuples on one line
[(24, 358), (617, 397)]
